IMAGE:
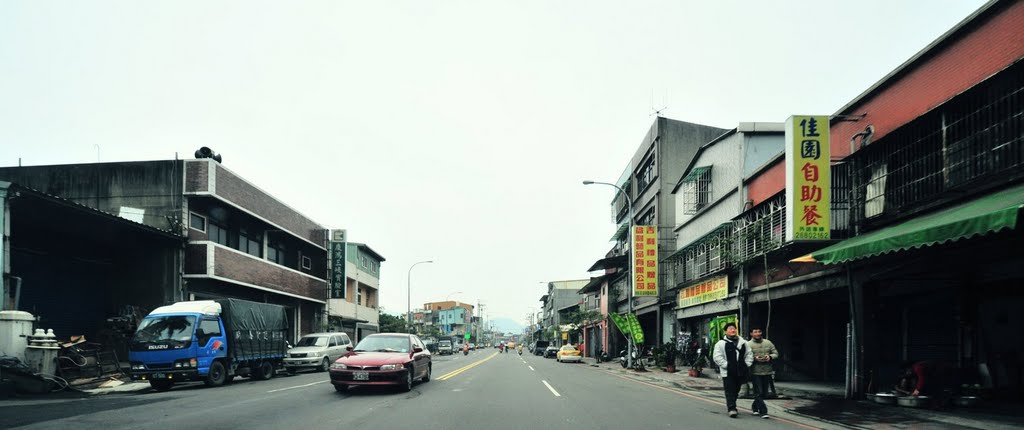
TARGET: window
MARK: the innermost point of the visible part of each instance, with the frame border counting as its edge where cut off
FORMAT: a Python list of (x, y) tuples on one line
[(197, 222), (250, 242), (697, 190), (647, 218), (359, 296), (646, 174), (218, 233), (208, 329), (307, 263), (276, 253)]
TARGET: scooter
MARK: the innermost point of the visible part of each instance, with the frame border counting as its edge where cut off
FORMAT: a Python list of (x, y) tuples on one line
[(465, 349), (639, 362)]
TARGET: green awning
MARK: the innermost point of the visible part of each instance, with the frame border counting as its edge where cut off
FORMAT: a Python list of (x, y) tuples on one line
[(695, 173), (621, 231), (980, 216)]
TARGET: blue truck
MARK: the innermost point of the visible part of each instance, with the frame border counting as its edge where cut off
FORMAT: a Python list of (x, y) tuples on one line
[(210, 341)]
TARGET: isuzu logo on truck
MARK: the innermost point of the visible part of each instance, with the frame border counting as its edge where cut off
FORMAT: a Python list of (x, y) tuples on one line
[(158, 347)]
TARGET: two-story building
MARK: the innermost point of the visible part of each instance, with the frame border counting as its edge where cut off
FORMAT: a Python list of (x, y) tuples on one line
[(353, 308), (241, 241)]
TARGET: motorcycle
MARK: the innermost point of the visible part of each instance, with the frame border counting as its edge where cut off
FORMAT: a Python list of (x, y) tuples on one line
[(642, 358), (465, 349)]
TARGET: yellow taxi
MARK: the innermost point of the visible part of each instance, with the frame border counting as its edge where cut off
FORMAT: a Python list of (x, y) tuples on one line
[(510, 345), (568, 353)]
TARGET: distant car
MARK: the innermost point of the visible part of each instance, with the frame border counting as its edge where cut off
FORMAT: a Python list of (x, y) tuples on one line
[(397, 359), (472, 346), (316, 351), (550, 351), (568, 353), (444, 347)]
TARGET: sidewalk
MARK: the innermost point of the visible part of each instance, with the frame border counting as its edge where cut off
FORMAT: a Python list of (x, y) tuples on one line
[(825, 406)]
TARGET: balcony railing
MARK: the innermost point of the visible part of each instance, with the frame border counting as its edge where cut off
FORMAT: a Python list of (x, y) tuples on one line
[(972, 142)]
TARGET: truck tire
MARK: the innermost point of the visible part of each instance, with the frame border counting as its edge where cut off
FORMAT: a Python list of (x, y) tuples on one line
[(161, 385), (217, 375), (264, 372)]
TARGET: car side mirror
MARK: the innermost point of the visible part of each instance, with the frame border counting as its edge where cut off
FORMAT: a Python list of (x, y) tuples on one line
[(349, 348), (417, 350)]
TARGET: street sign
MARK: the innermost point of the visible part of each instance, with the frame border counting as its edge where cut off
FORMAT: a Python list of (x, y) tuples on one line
[(467, 336)]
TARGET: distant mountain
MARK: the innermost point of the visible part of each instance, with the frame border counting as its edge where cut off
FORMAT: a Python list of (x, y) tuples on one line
[(506, 325)]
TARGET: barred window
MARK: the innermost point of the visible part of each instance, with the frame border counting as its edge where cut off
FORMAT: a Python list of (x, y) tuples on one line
[(697, 190)]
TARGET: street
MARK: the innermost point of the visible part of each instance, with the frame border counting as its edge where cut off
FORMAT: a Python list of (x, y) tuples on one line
[(483, 390)]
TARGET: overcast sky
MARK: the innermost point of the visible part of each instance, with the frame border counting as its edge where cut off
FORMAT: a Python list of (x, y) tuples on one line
[(458, 131)]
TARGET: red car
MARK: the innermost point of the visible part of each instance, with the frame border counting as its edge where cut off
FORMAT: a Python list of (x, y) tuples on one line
[(383, 359)]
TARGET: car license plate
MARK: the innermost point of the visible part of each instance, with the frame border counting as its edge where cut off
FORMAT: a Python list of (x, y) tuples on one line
[(159, 376), (361, 376)]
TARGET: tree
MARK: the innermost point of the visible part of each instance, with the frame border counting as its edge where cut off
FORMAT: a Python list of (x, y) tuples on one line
[(391, 323)]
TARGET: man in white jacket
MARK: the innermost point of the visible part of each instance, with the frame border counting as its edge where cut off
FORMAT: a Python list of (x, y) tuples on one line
[(733, 357)]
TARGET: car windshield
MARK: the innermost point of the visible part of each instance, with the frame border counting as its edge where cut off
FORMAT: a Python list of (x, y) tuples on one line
[(384, 344), (166, 328), (313, 341)]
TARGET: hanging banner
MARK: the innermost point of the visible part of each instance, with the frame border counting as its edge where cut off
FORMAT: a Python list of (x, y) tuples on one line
[(338, 276), (645, 260), (808, 178), (620, 323), (707, 291), (634, 327)]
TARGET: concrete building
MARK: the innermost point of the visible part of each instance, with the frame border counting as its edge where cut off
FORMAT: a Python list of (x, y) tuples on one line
[(451, 317), (241, 241), (562, 297), (354, 308)]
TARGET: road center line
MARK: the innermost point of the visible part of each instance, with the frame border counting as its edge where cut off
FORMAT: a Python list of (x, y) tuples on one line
[(297, 386), (531, 368), (552, 389)]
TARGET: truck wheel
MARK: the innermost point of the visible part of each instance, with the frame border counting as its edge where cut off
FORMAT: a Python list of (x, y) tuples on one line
[(264, 372), (161, 386), (217, 375), (325, 365)]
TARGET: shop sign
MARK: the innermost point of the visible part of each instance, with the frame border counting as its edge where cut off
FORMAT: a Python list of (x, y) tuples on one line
[(645, 260), (808, 178), (707, 291), (338, 283)]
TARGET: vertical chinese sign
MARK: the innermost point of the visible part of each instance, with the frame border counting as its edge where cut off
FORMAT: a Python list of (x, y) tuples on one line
[(338, 249), (645, 260), (808, 178)]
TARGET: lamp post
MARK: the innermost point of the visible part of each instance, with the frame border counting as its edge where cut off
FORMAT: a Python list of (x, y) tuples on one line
[(632, 277), (408, 294)]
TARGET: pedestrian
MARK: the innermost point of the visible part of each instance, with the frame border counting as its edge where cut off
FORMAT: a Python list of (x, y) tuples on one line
[(934, 379), (761, 372), (734, 358)]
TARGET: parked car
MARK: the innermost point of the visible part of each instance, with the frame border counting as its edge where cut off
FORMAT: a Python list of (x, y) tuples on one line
[(472, 346), (397, 359), (539, 347), (551, 351), (444, 347), (568, 353), (316, 351)]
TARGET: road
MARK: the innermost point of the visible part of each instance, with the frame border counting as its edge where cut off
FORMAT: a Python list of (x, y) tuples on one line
[(485, 390)]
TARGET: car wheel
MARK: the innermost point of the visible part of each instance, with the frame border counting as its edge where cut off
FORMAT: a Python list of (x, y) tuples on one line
[(265, 371), (426, 377), (341, 388), (407, 386), (161, 386), (326, 365), (217, 375)]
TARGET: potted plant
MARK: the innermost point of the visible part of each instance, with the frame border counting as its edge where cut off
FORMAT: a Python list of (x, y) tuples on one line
[(669, 352), (697, 367)]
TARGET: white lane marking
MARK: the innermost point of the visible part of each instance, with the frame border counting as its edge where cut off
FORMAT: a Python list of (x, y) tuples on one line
[(531, 368), (297, 386), (552, 389)]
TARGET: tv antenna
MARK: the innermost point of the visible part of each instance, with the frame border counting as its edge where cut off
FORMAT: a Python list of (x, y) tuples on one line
[(657, 111)]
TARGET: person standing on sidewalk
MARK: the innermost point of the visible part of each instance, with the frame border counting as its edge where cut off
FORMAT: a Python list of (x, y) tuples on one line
[(761, 372), (734, 358)]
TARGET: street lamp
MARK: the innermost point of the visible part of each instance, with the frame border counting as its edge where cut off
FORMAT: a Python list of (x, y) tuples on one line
[(632, 278), (408, 294)]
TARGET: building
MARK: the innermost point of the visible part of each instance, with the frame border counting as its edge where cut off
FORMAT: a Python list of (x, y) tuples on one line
[(353, 309), (562, 298), (450, 317), (241, 242), (648, 178)]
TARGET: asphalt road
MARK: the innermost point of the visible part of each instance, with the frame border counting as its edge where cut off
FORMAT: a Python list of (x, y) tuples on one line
[(484, 390)]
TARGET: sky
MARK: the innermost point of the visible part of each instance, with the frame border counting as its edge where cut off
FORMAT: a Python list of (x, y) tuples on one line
[(453, 131)]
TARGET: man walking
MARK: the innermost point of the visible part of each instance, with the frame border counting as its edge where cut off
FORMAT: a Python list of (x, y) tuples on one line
[(734, 358), (761, 372)]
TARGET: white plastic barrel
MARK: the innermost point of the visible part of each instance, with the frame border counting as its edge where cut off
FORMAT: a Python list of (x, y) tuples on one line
[(15, 328)]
